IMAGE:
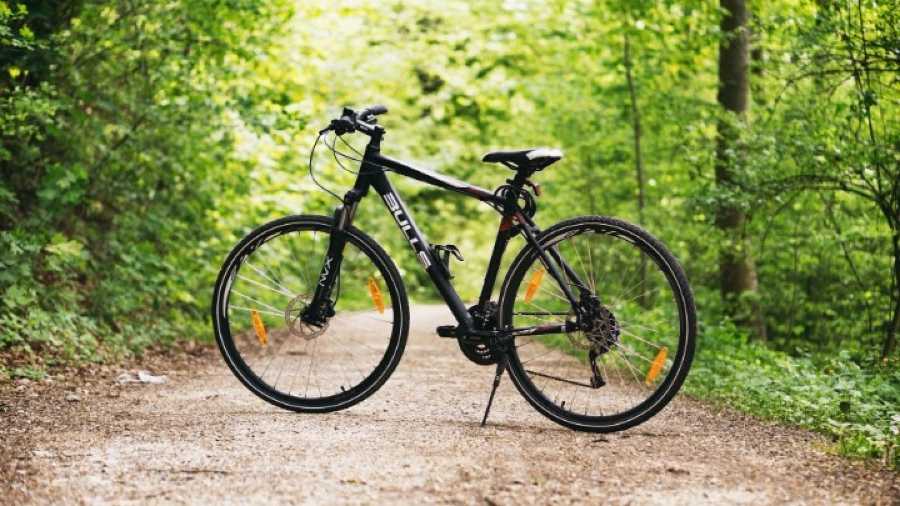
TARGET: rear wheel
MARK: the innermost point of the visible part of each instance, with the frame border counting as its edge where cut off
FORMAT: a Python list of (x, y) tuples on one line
[(631, 357), (264, 286)]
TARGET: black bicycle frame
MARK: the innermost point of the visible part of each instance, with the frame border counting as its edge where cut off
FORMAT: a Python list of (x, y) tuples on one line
[(372, 173)]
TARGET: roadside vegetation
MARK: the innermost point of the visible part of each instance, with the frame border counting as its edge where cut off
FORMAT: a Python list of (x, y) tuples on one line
[(839, 395)]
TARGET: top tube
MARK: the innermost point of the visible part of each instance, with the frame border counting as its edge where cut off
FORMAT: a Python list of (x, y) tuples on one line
[(432, 177)]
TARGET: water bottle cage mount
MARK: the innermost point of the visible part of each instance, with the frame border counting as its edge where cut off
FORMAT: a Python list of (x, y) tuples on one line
[(443, 252)]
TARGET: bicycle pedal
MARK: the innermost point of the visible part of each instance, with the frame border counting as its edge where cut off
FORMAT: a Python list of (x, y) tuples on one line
[(446, 331)]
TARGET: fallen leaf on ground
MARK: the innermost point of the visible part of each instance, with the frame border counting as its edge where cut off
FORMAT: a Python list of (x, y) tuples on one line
[(141, 377)]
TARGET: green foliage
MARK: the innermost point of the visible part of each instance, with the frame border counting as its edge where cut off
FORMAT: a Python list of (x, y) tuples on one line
[(112, 128), (854, 403)]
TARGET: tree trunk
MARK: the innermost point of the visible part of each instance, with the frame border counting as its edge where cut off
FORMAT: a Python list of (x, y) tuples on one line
[(638, 132), (890, 338), (737, 271), (638, 159), (757, 57)]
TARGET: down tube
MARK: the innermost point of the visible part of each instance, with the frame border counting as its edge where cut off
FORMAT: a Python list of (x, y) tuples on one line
[(421, 248)]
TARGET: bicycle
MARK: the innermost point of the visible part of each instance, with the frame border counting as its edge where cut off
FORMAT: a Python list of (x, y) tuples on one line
[(311, 314)]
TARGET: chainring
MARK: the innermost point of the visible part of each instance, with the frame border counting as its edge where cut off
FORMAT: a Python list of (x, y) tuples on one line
[(481, 353)]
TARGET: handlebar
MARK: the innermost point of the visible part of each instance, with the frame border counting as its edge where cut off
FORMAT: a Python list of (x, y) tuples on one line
[(375, 110), (351, 121)]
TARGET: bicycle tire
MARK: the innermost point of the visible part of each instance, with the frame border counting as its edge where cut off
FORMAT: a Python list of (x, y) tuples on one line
[(677, 280), (251, 379)]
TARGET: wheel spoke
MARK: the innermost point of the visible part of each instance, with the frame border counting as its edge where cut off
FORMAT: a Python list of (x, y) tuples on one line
[(263, 304), (267, 287), (261, 311), (622, 303), (639, 338), (627, 362), (263, 274), (581, 261), (632, 353), (593, 277)]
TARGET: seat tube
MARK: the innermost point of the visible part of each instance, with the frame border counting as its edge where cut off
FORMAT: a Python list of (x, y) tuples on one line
[(504, 234)]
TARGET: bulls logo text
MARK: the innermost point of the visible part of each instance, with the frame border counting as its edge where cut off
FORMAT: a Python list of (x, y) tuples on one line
[(394, 207)]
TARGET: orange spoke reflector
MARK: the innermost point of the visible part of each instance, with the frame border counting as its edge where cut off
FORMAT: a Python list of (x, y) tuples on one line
[(534, 284), (656, 366), (375, 293), (259, 327)]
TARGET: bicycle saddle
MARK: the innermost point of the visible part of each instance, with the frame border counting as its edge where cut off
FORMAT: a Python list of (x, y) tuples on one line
[(534, 158)]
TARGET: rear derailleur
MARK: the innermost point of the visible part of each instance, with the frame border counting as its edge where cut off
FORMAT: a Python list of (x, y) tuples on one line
[(601, 329)]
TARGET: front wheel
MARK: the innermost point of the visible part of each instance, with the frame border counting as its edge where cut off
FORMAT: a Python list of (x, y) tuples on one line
[(265, 286), (628, 359)]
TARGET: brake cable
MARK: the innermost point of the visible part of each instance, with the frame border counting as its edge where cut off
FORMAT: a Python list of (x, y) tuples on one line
[(312, 175), (335, 152), (360, 155)]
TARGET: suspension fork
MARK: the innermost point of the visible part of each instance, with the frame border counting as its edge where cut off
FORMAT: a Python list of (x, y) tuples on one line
[(321, 306)]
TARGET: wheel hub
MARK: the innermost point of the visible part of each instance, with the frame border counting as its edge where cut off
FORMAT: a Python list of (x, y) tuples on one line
[(298, 321), (601, 328)]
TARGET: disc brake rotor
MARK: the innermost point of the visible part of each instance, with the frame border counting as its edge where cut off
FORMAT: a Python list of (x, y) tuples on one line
[(296, 325)]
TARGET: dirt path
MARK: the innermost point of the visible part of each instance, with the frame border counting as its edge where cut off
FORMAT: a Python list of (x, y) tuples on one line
[(202, 438)]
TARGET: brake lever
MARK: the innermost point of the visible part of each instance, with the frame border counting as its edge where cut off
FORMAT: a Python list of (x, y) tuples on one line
[(343, 126), (349, 122)]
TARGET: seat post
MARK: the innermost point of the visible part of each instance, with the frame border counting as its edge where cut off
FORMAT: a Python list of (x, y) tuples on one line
[(522, 175)]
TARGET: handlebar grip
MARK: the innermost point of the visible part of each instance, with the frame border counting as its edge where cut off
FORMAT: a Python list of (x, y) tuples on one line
[(375, 110)]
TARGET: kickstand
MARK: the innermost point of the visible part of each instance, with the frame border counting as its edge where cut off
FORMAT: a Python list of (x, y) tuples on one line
[(501, 366)]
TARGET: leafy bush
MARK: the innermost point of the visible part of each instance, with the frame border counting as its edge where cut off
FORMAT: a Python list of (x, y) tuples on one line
[(857, 406), (113, 131)]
